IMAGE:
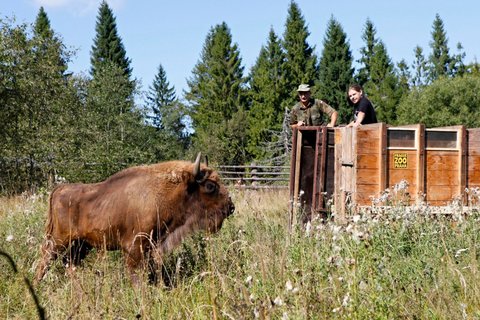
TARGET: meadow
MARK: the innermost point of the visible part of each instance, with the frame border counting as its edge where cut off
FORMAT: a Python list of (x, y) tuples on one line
[(395, 262)]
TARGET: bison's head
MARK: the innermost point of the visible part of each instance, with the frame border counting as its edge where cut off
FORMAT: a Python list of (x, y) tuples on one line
[(212, 202)]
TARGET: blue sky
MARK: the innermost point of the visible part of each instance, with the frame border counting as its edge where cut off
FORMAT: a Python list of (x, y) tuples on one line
[(172, 33)]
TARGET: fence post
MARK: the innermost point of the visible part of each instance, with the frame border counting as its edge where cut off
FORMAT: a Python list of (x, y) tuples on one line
[(253, 173)]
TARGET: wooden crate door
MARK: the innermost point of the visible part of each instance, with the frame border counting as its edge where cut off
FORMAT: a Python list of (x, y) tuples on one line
[(445, 165), (405, 160)]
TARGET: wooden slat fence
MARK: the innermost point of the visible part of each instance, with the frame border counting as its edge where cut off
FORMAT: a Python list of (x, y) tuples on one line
[(255, 176)]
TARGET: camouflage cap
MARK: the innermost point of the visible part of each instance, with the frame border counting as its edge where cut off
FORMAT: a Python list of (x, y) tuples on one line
[(303, 88)]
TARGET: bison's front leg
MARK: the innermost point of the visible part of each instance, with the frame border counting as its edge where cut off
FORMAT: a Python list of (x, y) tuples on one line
[(135, 259)]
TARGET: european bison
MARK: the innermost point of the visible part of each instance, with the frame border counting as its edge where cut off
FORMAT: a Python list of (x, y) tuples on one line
[(140, 210)]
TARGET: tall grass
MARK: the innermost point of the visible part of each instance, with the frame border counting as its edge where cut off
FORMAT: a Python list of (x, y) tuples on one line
[(395, 263)]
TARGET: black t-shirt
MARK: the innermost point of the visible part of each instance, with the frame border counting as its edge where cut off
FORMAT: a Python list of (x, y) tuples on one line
[(365, 106)]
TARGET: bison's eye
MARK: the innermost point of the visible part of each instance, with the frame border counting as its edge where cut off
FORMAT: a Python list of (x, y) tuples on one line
[(210, 186)]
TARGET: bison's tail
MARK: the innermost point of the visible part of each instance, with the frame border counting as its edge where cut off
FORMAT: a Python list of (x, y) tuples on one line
[(49, 224)]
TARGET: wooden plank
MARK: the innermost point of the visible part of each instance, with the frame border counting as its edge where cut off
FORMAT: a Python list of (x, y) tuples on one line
[(368, 140), (442, 160), (293, 167), (368, 161), (383, 157), (347, 164), (473, 174), (352, 170), (462, 159), (330, 164), (297, 167), (364, 194), (317, 171), (368, 176), (409, 175), (339, 195), (370, 147), (474, 137), (474, 163), (323, 168), (443, 178), (344, 173), (367, 134), (421, 164), (441, 193)]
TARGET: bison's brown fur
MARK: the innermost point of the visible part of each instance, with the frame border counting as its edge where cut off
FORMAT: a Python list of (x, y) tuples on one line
[(138, 210)]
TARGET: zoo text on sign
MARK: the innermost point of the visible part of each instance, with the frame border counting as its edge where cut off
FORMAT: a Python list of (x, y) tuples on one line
[(400, 161)]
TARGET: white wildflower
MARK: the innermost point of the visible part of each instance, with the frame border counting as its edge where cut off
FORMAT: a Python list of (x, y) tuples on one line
[(288, 286), (336, 229), (284, 316), (459, 252), (9, 238), (464, 310), (308, 228), (356, 218), (278, 301), (346, 300), (349, 228), (248, 280), (336, 310), (362, 285)]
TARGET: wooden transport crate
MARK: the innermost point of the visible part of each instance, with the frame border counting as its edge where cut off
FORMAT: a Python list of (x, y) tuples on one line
[(354, 166)]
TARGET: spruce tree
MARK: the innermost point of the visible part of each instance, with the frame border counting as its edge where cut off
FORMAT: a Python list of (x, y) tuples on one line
[(404, 76), (267, 93), (160, 95), (47, 43), (441, 64), (168, 118), (419, 67), (382, 88), (217, 99), (108, 46), (301, 62), (367, 52), (42, 25), (336, 71)]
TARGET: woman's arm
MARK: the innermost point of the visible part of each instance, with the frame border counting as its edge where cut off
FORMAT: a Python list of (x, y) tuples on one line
[(358, 121)]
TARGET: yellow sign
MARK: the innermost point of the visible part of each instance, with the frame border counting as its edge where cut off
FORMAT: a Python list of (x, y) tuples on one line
[(400, 161)]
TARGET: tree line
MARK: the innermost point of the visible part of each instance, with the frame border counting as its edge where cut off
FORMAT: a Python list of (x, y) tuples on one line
[(84, 127)]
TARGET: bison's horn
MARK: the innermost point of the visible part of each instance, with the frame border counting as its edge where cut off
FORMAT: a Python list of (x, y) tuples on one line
[(196, 167)]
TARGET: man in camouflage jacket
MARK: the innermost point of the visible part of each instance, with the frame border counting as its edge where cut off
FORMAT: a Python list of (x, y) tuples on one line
[(309, 111)]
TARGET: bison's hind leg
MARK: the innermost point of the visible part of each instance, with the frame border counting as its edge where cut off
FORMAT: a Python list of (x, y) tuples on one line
[(49, 252), (78, 250)]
